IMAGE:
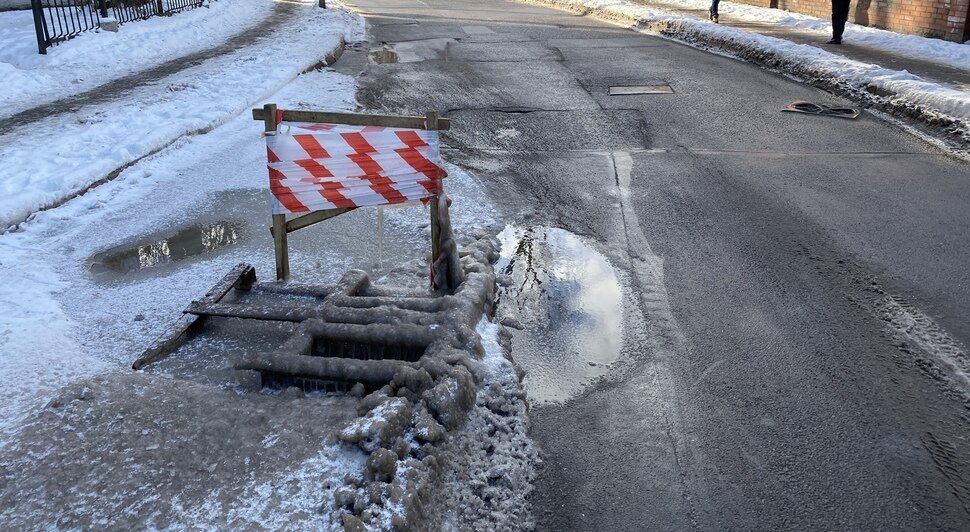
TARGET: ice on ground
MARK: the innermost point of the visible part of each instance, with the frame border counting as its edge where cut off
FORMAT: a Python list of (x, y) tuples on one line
[(134, 451), (494, 460)]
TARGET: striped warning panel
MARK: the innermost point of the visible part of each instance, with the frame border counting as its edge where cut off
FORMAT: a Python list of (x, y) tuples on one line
[(314, 167)]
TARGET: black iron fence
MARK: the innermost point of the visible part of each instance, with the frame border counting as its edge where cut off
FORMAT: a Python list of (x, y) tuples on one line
[(56, 21)]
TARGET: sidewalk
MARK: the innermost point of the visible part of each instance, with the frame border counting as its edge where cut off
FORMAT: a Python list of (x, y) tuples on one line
[(120, 88), (927, 68)]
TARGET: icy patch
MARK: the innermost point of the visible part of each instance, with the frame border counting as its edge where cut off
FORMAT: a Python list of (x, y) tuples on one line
[(568, 299), (494, 460)]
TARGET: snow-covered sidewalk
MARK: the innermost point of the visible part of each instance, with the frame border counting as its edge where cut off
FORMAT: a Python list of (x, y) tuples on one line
[(28, 79), (942, 108), (935, 51), (85, 147)]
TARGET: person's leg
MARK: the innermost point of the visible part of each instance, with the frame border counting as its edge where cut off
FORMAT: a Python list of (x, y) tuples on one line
[(714, 4), (840, 14)]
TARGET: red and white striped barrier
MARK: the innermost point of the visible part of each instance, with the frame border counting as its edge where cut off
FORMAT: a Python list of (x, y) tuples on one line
[(314, 167)]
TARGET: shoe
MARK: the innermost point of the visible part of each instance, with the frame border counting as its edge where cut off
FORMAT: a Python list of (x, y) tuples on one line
[(834, 40), (716, 19)]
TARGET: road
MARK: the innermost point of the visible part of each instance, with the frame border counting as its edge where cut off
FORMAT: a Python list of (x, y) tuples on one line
[(794, 288)]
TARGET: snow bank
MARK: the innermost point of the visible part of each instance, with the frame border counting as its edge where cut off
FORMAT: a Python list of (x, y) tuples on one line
[(899, 92), (913, 46), (28, 79), (85, 147)]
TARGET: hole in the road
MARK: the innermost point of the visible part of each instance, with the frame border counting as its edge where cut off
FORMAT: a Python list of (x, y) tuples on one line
[(385, 56), (568, 298), (190, 241), (628, 90)]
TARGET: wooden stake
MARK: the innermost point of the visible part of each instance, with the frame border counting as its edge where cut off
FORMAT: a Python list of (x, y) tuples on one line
[(279, 220), (431, 124)]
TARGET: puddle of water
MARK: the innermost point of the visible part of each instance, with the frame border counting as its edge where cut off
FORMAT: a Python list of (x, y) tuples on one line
[(568, 298), (158, 250), (384, 56)]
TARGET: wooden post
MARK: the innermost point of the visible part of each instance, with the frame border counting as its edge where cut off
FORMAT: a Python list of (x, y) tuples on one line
[(431, 124), (279, 220)]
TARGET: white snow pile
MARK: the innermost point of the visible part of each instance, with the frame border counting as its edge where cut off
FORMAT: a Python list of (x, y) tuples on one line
[(91, 59), (913, 46), (84, 147), (896, 91)]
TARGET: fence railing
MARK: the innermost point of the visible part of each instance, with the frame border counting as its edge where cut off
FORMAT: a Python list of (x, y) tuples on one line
[(56, 21)]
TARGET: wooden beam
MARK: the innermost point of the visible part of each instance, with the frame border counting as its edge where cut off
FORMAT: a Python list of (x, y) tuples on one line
[(252, 312), (241, 277), (354, 119), (317, 216)]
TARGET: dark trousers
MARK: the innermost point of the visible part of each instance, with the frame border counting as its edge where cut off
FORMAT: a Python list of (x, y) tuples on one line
[(714, 4), (840, 14)]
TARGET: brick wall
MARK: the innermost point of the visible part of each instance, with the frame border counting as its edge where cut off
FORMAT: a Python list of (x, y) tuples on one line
[(944, 19)]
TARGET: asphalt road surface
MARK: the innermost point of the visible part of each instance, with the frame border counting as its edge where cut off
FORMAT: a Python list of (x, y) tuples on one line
[(796, 302)]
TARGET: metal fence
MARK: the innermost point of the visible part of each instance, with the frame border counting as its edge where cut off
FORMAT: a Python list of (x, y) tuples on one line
[(56, 21)]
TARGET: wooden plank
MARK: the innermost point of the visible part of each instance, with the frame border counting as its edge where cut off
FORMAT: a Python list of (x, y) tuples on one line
[(242, 276), (252, 312), (355, 119), (317, 216)]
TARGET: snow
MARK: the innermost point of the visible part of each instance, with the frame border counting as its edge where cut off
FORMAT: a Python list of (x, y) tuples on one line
[(28, 79), (90, 144), (855, 75), (913, 46)]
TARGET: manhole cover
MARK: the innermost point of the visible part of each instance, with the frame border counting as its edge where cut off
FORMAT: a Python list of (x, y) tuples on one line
[(640, 89)]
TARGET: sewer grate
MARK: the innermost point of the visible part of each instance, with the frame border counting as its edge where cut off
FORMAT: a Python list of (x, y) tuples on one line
[(629, 90)]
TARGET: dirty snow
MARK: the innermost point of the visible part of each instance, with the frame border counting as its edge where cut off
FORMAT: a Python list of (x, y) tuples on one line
[(855, 74), (495, 460)]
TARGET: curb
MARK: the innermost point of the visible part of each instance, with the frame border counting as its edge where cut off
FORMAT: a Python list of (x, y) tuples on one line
[(952, 131)]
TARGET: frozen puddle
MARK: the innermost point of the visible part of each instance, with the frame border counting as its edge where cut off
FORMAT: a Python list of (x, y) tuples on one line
[(567, 297)]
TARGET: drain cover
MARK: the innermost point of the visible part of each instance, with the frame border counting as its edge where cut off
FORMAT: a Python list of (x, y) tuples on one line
[(640, 89)]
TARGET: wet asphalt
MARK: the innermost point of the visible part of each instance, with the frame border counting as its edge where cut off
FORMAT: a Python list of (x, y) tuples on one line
[(761, 384)]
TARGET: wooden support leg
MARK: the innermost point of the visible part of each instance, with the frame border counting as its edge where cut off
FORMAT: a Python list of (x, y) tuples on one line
[(435, 231), (282, 249)]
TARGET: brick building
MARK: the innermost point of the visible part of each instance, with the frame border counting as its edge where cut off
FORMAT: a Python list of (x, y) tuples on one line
[(944, 19)]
